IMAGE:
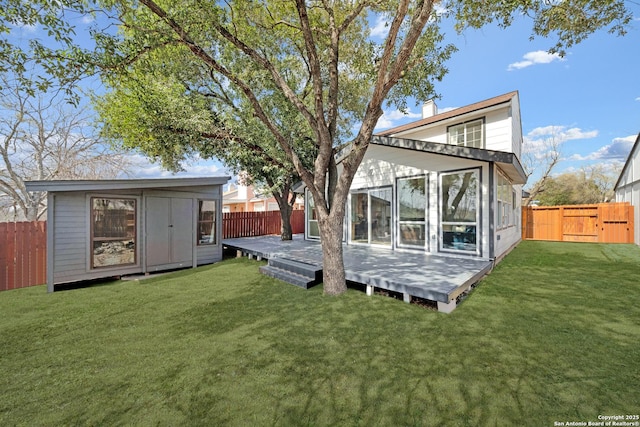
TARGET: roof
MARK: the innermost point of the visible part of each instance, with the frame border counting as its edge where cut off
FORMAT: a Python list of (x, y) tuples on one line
[(488, 103), (508, 162), (123, 184), (636, 146)]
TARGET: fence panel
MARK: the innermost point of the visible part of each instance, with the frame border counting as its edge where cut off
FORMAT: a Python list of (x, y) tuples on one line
[(249, 224), (603, 223), (23, 254)]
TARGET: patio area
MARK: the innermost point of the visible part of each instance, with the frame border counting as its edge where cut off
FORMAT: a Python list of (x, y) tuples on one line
[(438, 278)]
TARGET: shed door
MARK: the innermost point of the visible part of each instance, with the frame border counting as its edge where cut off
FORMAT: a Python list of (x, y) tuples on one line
[(169, 231)]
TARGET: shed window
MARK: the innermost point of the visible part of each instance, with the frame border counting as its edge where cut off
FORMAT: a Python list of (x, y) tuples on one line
[(113, 232), (206, 222), (468, 134)]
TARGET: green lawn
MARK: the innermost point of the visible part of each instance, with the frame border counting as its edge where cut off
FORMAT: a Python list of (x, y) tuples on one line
[(551, 335)]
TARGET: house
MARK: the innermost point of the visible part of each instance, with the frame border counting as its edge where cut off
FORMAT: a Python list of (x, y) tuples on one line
[(107, 228), (245, 198), (450, 183), (627, 187)]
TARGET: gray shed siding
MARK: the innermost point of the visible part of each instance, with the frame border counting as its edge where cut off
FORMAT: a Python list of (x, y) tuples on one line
[(69, 232)]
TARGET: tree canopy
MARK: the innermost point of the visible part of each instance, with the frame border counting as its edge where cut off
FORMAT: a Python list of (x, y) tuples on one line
[(305, 73)]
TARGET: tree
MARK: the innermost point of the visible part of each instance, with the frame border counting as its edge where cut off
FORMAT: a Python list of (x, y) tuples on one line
[(340, 75), (42, 138), (141, 110), (592, 184), (542, 156), (315, 61)]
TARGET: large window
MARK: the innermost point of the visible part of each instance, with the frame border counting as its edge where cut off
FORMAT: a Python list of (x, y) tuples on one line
[(371, 216), (412, 204), (459, 201), (468, 134), (312, 219), (113, 232), (206, 222), (505, 196)]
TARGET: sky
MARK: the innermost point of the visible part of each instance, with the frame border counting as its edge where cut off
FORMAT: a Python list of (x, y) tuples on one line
[(588, 100)]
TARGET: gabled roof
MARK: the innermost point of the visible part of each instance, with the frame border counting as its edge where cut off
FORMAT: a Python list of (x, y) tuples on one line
[(488, 103), (635, 147)]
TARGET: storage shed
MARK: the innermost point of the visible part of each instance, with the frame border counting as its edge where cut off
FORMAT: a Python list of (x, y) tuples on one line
[(107, 228)]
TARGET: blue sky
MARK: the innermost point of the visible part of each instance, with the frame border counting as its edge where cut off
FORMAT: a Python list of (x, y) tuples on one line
[(589, 100)]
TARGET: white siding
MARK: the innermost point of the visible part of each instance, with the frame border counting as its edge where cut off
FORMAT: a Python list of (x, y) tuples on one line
[(628, 189), (383, 165), (499, 129)]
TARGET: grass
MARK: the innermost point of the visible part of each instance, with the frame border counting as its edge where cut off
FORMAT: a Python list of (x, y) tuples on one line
[(551, 335)]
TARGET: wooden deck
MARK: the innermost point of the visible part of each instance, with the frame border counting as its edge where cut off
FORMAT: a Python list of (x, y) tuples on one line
[(439, 278)]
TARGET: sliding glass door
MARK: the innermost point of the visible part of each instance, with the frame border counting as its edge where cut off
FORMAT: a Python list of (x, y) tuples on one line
[(371, 216)]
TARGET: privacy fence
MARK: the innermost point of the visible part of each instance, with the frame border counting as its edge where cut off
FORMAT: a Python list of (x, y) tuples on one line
[(602, 223), (23, 245), (247, 224), (23, 254)]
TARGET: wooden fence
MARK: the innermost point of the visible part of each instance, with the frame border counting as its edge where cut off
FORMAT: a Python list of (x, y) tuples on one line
[(602, 223), (23, 254), (247, 224), (23, 245)]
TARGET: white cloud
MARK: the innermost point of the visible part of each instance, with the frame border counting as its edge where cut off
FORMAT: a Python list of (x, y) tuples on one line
[(380, 27), (393, 118), (557, 134), (535, 57), (638, 98), (618, 150), (87, 19), (144, 168)]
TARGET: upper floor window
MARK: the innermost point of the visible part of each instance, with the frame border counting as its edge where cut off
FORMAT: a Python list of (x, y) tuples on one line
[(468, 134)]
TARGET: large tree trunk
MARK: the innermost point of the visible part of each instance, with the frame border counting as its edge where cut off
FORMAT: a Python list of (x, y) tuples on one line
[(286, 208), (331, 227), (286, 232)]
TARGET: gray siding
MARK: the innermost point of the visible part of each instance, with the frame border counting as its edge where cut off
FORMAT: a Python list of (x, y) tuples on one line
[(70, 237)]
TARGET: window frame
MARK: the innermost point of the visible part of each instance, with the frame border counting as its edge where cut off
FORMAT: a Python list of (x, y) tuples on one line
[(413, 223), (371, 240), (478, 214), (464, 125), (132, 236), (213, 222), (505, 202)]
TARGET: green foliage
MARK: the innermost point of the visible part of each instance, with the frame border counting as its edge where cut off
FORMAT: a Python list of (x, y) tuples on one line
[(592, 185), (571, 21), (224, 345)]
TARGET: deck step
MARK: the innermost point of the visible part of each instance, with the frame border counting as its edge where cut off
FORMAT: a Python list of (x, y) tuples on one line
[(294, 272)]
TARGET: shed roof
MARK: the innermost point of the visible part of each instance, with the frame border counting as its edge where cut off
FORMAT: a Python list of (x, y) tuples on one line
[(488, 103), (123, 184)]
